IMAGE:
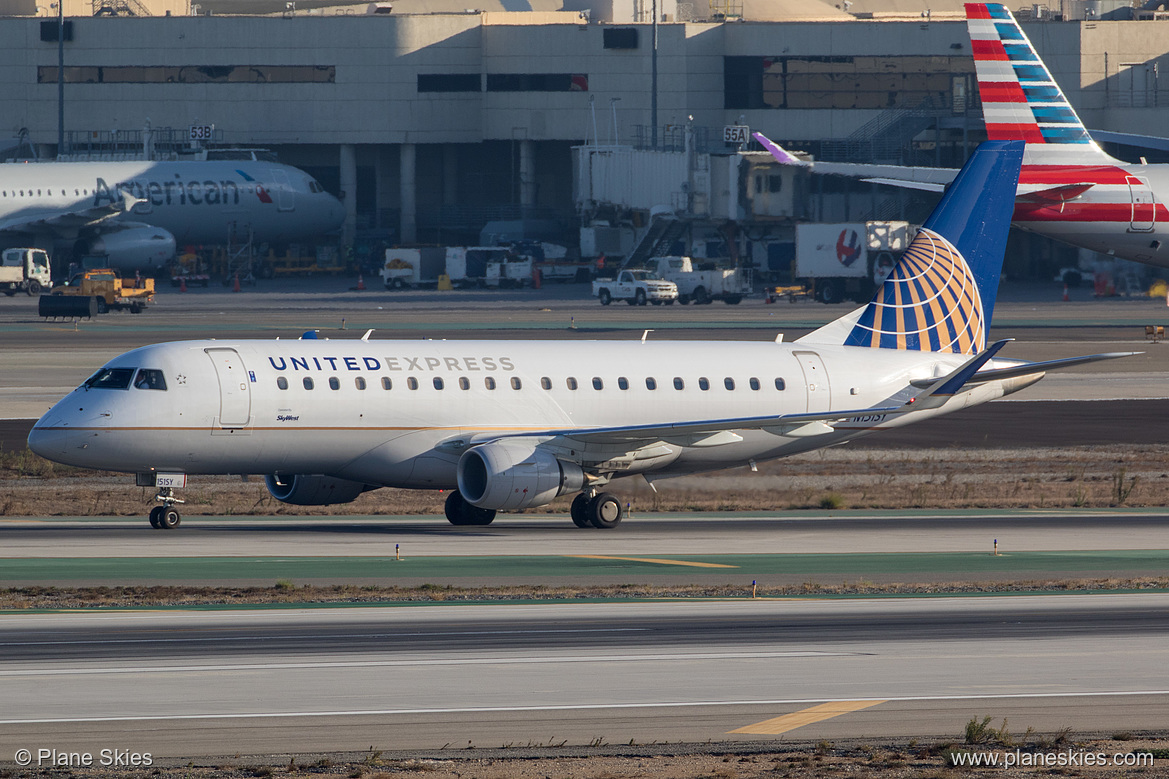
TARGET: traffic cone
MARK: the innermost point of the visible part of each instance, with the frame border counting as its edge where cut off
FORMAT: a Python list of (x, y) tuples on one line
[(360, 282), (1065, 293), (182, 284), (235, 284)]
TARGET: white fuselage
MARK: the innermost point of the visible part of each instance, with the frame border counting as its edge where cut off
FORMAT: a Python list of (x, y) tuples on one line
[(224, 409), (198, 203)]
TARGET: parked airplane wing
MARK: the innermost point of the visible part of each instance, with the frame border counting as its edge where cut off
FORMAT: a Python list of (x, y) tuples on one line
[(66, 221)]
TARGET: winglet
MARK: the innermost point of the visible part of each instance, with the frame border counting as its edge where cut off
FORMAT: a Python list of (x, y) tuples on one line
[(782, 156), (947, 387), (129, 201)]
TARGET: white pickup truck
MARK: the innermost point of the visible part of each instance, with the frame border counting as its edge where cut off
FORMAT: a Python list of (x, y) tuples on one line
[(24, 270), (635, 287), (703, 286)]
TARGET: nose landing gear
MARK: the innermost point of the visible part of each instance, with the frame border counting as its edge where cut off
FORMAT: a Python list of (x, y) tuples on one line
[(165, 517)]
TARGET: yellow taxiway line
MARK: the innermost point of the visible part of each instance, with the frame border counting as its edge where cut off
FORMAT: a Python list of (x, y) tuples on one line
[(656, 560), (799, 719)]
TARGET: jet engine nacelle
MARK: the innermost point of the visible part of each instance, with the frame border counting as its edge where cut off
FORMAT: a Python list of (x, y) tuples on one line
[(302, 490), (508, 475), (142, 247)]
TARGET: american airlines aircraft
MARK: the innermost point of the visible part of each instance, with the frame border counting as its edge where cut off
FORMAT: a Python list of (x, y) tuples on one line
[(509, 425), (1069, 188), (136, 212)]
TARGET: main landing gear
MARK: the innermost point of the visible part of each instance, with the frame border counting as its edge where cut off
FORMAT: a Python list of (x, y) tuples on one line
[(602, 510), (460, 512), (165, 517)]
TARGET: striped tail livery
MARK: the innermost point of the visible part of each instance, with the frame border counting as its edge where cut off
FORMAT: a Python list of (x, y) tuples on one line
[(1069, 188)]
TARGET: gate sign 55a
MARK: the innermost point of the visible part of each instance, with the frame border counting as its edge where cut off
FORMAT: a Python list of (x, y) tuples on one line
[(736, 133)]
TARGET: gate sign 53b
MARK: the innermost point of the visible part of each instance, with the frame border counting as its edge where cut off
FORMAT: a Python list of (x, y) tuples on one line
[(736, 133)]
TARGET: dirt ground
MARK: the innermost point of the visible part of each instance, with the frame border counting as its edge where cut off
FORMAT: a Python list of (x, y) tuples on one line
[(1072, 477), (794, 760)]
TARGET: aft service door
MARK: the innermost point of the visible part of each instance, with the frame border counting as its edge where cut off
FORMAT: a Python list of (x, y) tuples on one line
[(1143, 208), (235, 395), (816, 381)]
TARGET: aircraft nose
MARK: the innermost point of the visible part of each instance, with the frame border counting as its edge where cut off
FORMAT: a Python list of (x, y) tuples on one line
[(48, 442)]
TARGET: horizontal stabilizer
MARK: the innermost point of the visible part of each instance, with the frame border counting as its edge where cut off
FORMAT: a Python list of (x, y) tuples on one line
[(1055, 195), (1032, 368)]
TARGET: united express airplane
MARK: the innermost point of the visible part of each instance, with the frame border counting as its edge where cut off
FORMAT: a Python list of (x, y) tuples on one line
[(136, 212), (510, 425), (1069, 188)]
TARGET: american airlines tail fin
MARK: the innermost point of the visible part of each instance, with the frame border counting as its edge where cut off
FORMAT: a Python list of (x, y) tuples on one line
[(1020, 99), (940, 295)]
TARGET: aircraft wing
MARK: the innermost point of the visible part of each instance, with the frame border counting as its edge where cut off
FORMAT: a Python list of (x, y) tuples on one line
[(930, 179), (55, 219)]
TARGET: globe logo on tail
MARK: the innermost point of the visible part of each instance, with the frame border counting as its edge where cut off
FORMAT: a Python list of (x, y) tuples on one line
[(930, 302)]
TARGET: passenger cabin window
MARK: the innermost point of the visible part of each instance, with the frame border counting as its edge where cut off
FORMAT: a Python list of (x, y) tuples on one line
[(754, 383), (359, 383), (571, 383), (308, 383), (334, 383), (597, 383), (110, 378), (149, 378), (678, 383), (780, 385), (515, 382), (729, 383), (651, 383), (386, 383), (622, 383), (438, 383), (411, 383), (703, 383), (464, 383), (546, 383), (282, 382), (489, 383)]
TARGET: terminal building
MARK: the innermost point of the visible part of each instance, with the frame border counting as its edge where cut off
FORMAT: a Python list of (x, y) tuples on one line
[(431, 119)]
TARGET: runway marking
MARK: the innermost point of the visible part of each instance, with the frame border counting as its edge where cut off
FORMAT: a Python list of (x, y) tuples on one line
[(799, 719), (532, 660), (655, 560), (564, 707)]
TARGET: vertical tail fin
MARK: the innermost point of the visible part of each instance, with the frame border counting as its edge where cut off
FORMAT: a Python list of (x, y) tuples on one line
[(1020, 99), (940, 295)]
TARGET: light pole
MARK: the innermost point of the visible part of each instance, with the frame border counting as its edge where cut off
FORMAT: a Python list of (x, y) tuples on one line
[(60, 77)]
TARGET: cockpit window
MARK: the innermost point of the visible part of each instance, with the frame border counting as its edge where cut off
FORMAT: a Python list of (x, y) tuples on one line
[(110, 378), (149, 378)]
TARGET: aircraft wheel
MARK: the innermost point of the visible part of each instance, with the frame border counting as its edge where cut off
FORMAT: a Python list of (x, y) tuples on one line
[(580, 511), (605, 511), (155, 520), (459, 512), (455, 508), (169, 519)]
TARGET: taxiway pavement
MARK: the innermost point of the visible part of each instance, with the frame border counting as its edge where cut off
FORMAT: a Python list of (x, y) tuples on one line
[(298, 681)]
